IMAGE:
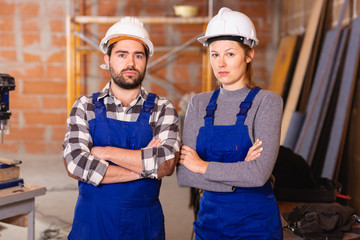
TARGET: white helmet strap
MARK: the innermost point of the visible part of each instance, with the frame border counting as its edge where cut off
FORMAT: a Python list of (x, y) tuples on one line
[(239, 39)]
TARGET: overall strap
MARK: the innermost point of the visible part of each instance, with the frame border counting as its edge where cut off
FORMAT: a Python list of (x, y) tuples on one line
[(99, 106), (148, 105), (210, 109), (246, 105)]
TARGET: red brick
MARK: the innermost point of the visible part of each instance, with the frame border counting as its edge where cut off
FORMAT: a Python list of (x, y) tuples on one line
[(28, 57), (7, 39), (50, 103), (9, 146), (191, 58), (28, 8), (23, 102), (56, 9), (35, 147), (44, 87), (6, 23), (7, 8), (30, 23), (155, 88), (48, 118), (107, 8), (8, 55), (56, 71), (58, 133), (29, 71), (26, 133), (58, 40), (31, 38), (57, 25), (54, 147), (57, 57)]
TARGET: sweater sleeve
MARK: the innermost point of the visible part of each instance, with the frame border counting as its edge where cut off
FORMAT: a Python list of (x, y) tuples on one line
[(190, 132), (264, 123)]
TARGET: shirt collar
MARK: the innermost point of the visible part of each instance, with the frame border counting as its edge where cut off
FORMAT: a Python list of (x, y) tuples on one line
[(106, 91)]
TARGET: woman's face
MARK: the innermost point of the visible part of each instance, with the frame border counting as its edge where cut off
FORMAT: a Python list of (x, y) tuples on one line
[(229, 62)]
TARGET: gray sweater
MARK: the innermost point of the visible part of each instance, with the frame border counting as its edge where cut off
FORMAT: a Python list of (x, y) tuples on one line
[(263, 121)]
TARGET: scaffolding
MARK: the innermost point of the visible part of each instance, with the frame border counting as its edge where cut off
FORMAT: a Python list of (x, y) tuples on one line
[(78, 44)]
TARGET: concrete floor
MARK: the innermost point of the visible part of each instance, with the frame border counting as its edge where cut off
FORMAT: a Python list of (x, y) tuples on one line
[(54, 210)]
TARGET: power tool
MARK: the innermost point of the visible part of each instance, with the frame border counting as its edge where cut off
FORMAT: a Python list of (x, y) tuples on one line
[(7, 84)]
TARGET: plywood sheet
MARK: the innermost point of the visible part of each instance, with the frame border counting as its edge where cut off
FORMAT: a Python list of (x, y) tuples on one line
[(343, 106), (301, 66), (284, 60)]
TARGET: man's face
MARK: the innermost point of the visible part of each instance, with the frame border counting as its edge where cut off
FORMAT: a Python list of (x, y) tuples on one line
[(127, 63)]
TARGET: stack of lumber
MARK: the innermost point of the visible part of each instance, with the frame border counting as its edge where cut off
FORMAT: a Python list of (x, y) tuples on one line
[(316, 79), (9, 173)]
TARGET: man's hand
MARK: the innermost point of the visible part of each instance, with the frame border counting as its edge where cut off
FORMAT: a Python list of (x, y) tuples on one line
[(255, 151), (154, 143)]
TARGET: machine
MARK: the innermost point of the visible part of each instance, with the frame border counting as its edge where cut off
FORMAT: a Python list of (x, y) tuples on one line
[(7, 84)]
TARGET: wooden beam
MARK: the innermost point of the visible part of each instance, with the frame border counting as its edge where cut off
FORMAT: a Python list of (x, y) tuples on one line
[(301, 66), (283, 63), (343, 106), (321, 91)]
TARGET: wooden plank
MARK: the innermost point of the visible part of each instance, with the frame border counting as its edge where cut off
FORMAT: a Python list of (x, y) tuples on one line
[(283, 63), (343, 106), (301, 66), (14, 194), (20, 220), (320, 94), (313, 61), (9, 173), (9, 161)]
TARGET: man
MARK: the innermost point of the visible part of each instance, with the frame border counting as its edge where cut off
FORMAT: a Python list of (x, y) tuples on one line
[(119, 143)]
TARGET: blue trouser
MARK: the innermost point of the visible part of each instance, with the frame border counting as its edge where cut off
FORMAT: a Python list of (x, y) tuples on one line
[(129, 210), (246, 213)]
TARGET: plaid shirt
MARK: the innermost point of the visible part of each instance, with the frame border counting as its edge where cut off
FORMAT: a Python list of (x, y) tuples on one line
[(78, 142)]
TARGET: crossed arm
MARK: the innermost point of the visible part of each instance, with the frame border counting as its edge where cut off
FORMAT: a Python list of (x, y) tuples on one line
[(191, 160), (129, 164)]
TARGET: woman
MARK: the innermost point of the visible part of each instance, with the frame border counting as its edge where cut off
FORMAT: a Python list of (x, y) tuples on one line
[(238, 202)]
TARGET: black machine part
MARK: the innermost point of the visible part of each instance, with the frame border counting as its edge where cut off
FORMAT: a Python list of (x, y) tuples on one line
[(7, 83)]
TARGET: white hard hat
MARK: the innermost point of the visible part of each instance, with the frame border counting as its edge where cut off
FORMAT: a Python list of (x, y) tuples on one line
[(127, 28), (230, 24)]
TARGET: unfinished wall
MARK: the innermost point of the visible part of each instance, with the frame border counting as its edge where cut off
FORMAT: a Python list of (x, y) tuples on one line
[(33, 51)]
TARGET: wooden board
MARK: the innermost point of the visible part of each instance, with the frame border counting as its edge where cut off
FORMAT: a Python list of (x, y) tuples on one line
[(283, 63), (9, 173), (20, 220), (321, 92), (343, 106), (9, 161), (301, 66)]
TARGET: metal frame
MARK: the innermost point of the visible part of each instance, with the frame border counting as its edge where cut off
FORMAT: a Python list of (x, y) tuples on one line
[(75, 48)]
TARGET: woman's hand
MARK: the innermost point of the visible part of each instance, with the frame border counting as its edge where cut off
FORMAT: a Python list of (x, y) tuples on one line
[(254, 151), (191, 160)]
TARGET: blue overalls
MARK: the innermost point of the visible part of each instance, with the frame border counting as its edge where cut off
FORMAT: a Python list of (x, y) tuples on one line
[(246, 213), (129, 210)]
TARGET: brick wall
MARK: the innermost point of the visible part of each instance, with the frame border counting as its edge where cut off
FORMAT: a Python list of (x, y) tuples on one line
[(33, 51)]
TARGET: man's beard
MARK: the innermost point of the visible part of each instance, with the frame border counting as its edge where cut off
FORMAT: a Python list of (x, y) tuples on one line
[(123, 82)]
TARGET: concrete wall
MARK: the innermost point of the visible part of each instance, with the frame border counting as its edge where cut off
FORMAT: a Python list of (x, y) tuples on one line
[(33, 51)]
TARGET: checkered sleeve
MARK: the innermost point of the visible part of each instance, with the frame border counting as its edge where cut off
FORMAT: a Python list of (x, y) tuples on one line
[(165, 127), (78, 142)]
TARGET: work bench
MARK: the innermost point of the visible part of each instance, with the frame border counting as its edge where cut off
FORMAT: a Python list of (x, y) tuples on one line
[(17, 206)]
